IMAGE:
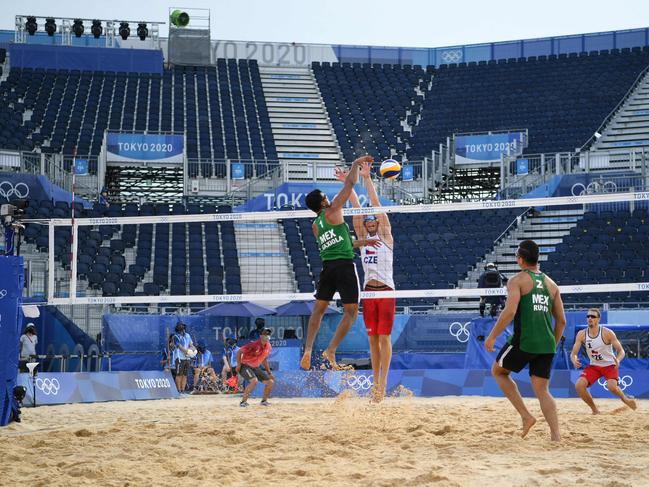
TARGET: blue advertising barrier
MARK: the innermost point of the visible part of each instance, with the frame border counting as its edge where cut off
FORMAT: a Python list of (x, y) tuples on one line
[(96, 59), (66, 388), (486, 148), (293, 194), (156, 148), (11, 270), (441, 382), (126, 335)]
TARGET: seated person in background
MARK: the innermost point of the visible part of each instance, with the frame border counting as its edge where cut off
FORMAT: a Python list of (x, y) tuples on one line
[(203, 363), (491, 278)]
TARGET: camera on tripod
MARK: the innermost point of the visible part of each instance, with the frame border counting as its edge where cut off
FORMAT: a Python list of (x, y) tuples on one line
[(491, 278), (10, 215)]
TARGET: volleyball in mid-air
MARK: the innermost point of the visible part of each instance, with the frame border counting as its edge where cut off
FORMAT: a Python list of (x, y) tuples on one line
[(390, 169)]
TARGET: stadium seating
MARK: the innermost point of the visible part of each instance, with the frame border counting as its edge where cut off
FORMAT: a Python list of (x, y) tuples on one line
[(166, 259), (560, 99), (605, 247), (221, 109), (366, 104)]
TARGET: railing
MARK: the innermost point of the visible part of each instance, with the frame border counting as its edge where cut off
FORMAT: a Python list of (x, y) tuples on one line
[(609, 117), (543, 167)]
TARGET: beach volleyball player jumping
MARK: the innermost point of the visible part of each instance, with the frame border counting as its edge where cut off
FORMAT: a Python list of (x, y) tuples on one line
[(338, 269), (374, 238)]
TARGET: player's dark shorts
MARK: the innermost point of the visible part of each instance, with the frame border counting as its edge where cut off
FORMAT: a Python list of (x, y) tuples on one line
[(250, 373), (514, 359), (338, 275), (182, 367)]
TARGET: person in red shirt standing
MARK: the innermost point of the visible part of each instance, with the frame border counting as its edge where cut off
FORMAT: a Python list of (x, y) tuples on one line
[(250, 357)]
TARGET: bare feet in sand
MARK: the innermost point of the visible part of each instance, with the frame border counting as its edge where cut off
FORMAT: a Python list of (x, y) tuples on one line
[(305, 363), (596, 411), (331, 358), (527, 425), (630, 402)]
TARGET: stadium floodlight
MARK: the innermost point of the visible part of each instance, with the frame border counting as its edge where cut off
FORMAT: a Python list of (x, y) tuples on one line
[(31, 26), (179, 18), (77, 27), (142, 31), (96, 29), (124, 30), (50, 26)]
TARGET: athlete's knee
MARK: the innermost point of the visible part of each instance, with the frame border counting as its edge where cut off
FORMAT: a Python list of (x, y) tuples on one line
[(581, 384), (497, 370), (351, 310), (612, 385)]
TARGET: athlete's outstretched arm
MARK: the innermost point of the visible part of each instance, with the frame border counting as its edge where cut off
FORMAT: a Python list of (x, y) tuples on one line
[(507, 314), (351, 179), (341, 175), (385, 230)]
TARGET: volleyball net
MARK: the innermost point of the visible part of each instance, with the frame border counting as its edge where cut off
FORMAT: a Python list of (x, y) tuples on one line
[(593, 245)]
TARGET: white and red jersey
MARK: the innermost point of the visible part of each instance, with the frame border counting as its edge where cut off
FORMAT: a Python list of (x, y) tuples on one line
[(599, 353), (377, 262)]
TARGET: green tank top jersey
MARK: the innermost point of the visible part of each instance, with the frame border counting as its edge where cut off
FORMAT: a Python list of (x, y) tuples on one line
[(533, 332), (334, 241)]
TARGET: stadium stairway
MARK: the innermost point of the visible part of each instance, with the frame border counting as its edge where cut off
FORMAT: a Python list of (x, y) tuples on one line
[(629, 127), (546, 228), (298, 117), (263, 258)]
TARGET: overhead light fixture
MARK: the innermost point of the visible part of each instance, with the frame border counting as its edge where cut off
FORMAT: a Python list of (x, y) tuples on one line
[(597, 135), (142, 31), (124, 30), (50, 26), (77, 27), (96, 29), (31, 26)]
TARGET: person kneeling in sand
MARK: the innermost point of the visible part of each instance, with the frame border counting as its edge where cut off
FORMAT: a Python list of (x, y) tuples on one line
[(599, 342), (249, 359)]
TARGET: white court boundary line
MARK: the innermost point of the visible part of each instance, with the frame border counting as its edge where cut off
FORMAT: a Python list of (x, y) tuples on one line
[(415, 293), (280, 215)]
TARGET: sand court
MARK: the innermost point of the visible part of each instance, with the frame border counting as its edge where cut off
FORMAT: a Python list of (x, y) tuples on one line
[(210, 440)]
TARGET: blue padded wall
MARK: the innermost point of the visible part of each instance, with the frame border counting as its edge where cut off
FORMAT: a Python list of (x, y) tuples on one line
[(84, 59), (11, 268)]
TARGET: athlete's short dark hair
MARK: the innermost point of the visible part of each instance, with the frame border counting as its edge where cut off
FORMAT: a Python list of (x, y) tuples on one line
[(314, 200), (528, 251)]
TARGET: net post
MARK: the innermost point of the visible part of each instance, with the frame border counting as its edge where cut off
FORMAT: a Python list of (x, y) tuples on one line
[(51, 269)]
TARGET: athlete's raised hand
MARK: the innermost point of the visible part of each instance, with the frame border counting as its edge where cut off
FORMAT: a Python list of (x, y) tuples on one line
[(366, 169), (340, 174), (363, 159)]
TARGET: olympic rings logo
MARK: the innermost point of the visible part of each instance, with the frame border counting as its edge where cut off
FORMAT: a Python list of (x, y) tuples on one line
[(593, 187), (623, 382), (360, 382), (460, 331), (3, 293), (7, 190), (452, 56), (48, 386)]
